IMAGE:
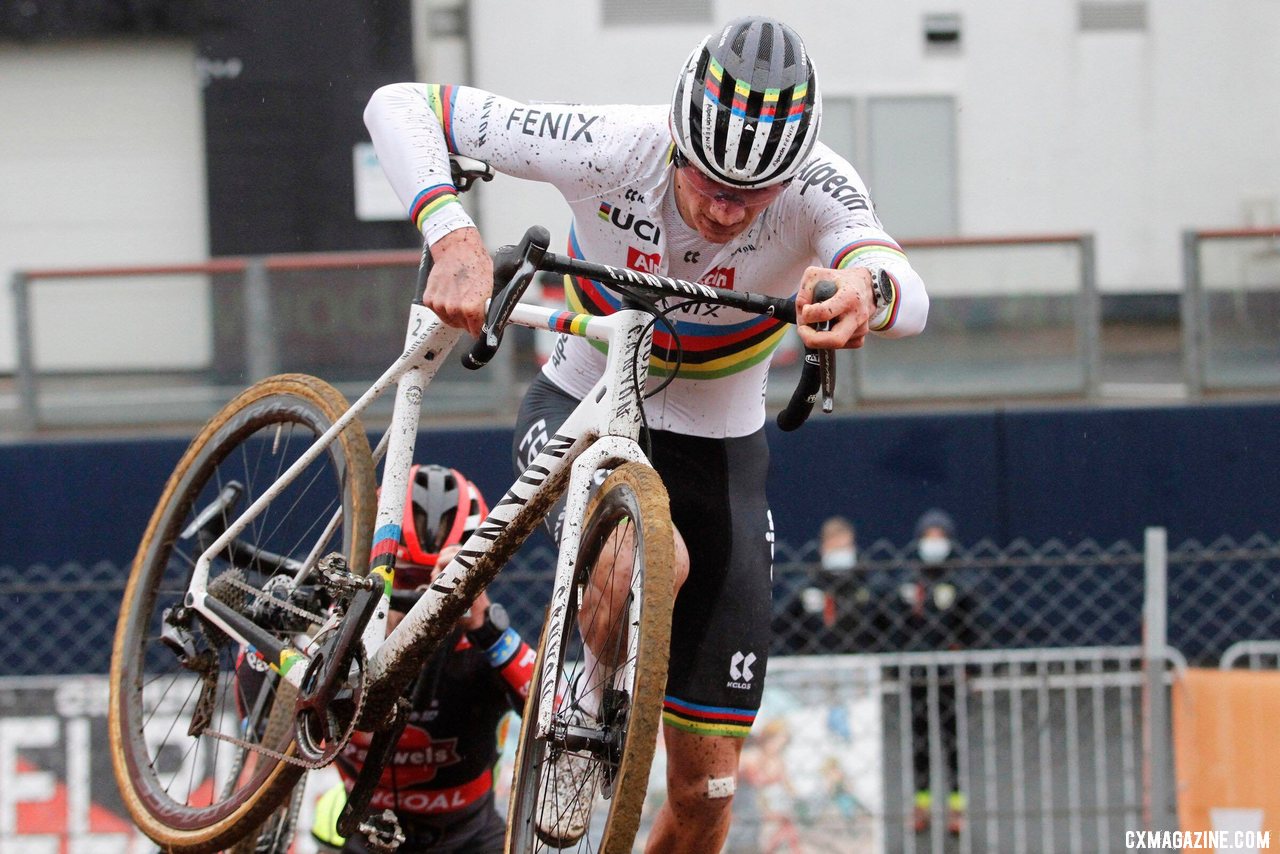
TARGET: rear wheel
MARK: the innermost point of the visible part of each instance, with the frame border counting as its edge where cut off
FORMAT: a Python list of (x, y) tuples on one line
[(610, 737), (200, 727)]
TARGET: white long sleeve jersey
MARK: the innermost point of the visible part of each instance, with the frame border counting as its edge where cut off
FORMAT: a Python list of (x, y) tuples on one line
[(613, 165)]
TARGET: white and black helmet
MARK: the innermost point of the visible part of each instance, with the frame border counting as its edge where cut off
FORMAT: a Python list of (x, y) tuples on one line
[(746, 107)]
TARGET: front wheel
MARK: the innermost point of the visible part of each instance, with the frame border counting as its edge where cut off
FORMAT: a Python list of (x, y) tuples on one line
[(201, 729), (606, 704)]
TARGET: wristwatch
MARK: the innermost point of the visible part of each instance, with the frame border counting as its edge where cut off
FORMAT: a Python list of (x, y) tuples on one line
[(496, 622), (881, 289)]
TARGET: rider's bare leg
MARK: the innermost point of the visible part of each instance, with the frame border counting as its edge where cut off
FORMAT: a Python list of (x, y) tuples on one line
[(702, 773), (603, 602)]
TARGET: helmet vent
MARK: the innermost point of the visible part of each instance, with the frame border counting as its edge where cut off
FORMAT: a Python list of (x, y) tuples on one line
[(765, 54)]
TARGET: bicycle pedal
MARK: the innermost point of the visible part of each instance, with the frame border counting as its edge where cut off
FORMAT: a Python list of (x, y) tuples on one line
[(382, 833)]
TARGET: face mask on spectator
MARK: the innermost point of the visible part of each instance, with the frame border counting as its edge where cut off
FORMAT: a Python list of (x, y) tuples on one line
[(934, 549), (840, 560)]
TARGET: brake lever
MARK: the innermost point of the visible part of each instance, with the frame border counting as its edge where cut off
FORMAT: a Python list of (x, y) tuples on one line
[(817, 374), (528, 255)]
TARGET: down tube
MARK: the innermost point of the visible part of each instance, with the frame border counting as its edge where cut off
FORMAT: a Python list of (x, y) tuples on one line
[(508, 524)]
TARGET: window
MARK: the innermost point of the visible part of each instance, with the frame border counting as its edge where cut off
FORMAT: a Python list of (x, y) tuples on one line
[(942, 33), (621, 13), (1102, 15)]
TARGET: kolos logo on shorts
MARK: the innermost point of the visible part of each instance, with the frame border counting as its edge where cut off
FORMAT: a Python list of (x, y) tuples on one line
[(740, 674)]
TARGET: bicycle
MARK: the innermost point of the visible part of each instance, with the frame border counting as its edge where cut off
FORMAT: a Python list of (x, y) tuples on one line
[(252, 637)]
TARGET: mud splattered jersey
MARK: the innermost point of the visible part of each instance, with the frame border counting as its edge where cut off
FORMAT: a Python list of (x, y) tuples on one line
[(613, 166)]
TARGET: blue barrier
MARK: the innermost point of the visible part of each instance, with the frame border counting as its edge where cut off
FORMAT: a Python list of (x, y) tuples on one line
[(1200, 471), (1071, 475)]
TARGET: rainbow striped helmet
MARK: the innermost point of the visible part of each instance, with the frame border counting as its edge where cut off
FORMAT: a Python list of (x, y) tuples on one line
[(746, 107)]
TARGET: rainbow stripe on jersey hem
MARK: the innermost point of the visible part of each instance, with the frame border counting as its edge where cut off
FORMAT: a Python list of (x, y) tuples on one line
[(708, 351)]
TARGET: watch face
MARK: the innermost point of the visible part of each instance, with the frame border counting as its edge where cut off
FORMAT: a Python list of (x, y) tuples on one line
[(881, 288)]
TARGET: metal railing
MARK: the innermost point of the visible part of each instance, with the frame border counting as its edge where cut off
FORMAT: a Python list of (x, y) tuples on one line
[(341, 316), (336, 315), (1231, 309), (1035, 684), (1014, 315)]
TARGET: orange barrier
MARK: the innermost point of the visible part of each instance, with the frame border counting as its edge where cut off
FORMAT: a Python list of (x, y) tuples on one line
[(1227, 751)]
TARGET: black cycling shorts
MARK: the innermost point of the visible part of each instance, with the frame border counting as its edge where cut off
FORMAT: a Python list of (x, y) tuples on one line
[(721, 626)]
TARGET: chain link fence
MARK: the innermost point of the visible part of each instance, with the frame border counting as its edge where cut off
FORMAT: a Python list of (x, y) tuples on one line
[(1006, 699), (982, 597), (59, 620)]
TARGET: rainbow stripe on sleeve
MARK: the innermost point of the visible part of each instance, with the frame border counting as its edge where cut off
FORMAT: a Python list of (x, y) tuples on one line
[(706, 720), (441, 100), (851, 252), (431, 200), (859, 249)]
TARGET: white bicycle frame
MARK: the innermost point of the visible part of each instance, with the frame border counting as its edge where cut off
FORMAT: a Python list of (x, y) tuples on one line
[(603, 430)]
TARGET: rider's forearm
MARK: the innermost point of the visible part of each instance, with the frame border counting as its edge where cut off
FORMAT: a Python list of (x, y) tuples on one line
[(907, 308), (411, 147)]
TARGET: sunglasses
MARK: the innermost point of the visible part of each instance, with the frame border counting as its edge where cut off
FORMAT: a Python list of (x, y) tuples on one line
[(717, 192)]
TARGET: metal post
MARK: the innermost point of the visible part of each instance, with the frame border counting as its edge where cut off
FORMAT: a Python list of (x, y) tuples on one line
[(28, 402), (1156, 732), (1090, 317), (260, 343), (1192, 329)]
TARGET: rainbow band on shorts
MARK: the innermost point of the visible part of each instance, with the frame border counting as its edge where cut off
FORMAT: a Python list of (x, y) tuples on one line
[(706, 720)]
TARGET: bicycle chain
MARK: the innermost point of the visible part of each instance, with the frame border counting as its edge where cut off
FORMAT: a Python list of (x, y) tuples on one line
[(284, 757), (233, 580), (258, 593), (265, 751)]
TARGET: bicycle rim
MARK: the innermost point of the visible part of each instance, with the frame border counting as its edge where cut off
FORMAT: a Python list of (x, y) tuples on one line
[(185, 787), (631, 668)]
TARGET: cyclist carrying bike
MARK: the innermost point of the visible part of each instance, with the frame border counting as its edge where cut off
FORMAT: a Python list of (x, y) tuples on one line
[(727, 185), (439, 782)]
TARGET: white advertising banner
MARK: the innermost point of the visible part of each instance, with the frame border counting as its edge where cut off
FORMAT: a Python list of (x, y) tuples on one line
[(811, 777)]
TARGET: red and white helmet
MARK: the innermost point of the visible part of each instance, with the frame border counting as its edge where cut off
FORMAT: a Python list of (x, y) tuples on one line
[(442, 509)]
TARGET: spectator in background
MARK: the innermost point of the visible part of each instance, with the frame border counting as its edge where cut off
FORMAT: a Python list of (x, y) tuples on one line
[(825, 614), (938, 614)]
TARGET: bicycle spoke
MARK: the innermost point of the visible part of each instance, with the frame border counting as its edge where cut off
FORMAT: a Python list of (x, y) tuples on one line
[(193, 791)]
